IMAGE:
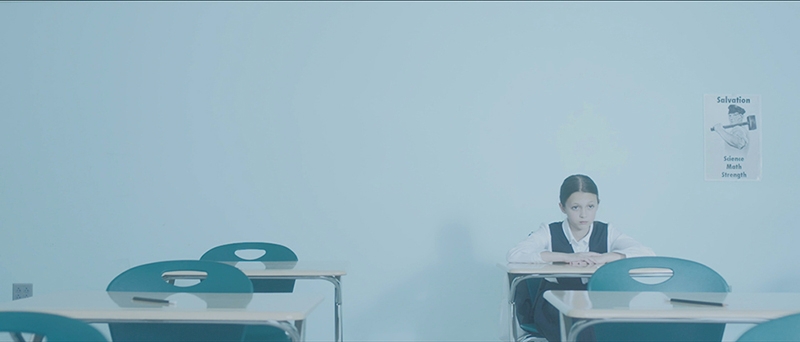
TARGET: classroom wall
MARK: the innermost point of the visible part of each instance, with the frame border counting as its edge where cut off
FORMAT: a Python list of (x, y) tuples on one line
[(416, 141)]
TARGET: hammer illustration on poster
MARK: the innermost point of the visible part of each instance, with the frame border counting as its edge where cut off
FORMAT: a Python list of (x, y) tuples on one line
[(732, 137)]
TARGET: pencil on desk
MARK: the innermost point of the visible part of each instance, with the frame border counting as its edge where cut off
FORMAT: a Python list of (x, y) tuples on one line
[(700, 302), (151, 300)]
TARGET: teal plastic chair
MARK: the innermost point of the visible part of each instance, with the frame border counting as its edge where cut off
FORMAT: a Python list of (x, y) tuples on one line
[(54, 328), (776, 330), (220, 278), (272, 253), (687, 276)]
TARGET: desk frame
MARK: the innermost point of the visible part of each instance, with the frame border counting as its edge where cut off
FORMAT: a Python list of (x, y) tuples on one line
[(336, 280), (512, 292), (292, 324), (332, 275), (520, 272)]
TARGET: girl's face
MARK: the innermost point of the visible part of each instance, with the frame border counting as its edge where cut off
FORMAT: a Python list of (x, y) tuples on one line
[(580, 208)]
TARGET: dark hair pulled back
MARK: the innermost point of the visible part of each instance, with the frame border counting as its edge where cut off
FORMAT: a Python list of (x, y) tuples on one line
[(577, 183)]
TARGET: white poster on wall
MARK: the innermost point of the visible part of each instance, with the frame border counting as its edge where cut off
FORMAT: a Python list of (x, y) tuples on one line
[(732, 137)]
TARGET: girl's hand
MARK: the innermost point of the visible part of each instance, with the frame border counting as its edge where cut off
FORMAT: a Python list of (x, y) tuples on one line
[(582, 259), (592, 258), (606, 258), (580, 263)]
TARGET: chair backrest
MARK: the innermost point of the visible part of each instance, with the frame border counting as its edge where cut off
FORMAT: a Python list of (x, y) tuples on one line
[(149, 278), (272, 252), (779, 329), (54, 327), (220, 278), (227, 252), (687, 276)]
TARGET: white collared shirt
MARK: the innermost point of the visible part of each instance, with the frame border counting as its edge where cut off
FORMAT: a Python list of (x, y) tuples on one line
[(530, 250)]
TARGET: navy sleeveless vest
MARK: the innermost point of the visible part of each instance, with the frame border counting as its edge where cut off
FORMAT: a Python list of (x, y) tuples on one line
[(598, 243)]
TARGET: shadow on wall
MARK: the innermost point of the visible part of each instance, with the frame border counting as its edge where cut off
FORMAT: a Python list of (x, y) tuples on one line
[(789, 282), (454, 298)]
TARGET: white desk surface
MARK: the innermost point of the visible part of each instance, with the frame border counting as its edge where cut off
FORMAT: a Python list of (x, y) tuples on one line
[(549, 269), (257, 269), (106, 307), (546, 269), (655, 306)]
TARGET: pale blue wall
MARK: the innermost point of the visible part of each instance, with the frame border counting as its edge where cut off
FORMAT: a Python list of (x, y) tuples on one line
[(418, 141)]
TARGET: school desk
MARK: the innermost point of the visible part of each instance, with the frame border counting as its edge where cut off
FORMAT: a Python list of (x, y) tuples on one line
[(286, 311), (330, 271), (582, 309), (518, 273)]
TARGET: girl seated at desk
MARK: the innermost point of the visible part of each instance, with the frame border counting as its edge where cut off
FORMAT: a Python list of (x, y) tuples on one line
[(579, 240)]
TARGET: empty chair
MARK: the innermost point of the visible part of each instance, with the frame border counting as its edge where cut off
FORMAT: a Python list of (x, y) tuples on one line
[(272, 253), (687, 276), (776, 330), (53, 327), (220, 278)]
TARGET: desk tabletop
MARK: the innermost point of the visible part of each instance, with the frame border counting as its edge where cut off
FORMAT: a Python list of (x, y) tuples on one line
[(257, 269), (549, 269), (105, 307), (738, 307), (546, 268)]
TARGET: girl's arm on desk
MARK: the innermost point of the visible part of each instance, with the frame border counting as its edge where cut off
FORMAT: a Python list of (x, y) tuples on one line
[(536, 249), (582, 259)]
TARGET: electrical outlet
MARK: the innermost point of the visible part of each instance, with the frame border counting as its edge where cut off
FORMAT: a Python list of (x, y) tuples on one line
[(20, 291)]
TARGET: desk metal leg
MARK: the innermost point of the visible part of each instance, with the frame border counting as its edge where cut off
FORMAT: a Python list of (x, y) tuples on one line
[(337, 301), (301, 329), (512, 303), (295, 330), (17, 337), (565, 324), (338, 292), (512, 316), (337, 313), (573, 327), (513, 307)]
